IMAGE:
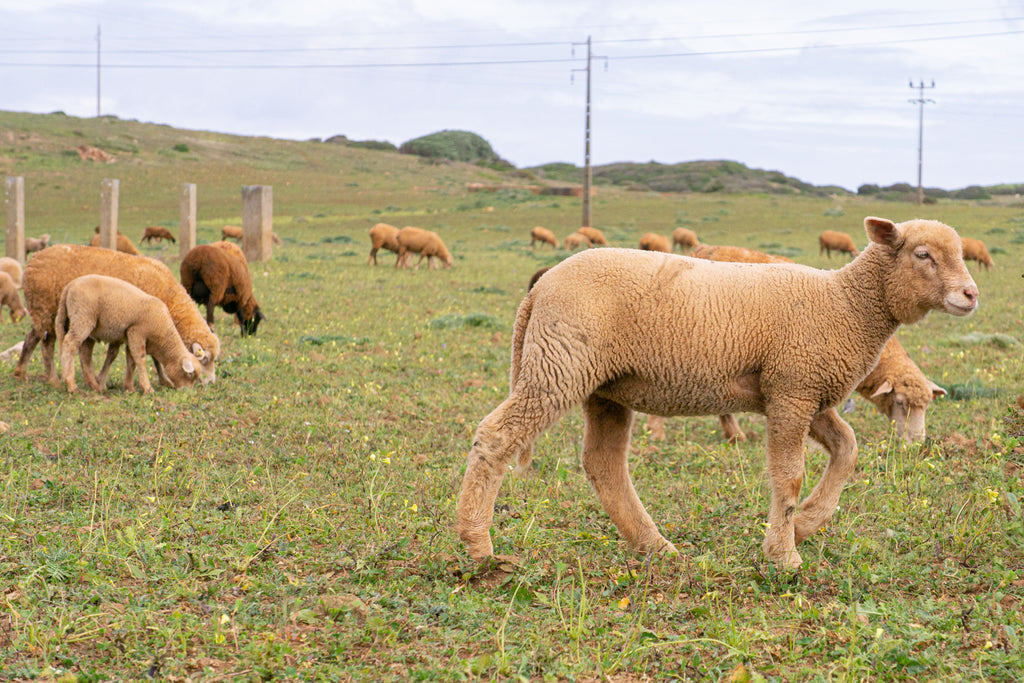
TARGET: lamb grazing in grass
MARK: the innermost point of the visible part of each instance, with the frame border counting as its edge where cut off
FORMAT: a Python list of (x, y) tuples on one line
[(234, 232), (52, 269), (100, 308), (736, 255), (594, 235), (155, 232), (575, 241), (10, 298), (13, 268), (975, 250), (651, 241), (622, 330), (213, 274), (543, 235), (423, 242), (33, 244), (124, 245), (685, 238), (382, 235), (830, 241)]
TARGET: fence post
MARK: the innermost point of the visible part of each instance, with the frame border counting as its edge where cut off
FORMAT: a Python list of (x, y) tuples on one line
[(257, 221), (187, 232), (15, 201), (109, 196)]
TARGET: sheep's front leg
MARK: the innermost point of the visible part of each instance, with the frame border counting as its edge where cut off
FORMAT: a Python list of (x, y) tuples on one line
[(731, 428), (137, 358), (787, 428), (832, 432), (606, 435)]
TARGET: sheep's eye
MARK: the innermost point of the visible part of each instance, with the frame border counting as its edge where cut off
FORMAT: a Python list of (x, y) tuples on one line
[(922, 254)]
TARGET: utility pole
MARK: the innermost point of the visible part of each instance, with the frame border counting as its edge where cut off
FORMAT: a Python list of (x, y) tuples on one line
[(587, 174), (97, 70), (920, 102)]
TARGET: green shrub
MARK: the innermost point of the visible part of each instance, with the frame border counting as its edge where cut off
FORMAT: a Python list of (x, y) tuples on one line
[(180, 147), (457, 145)]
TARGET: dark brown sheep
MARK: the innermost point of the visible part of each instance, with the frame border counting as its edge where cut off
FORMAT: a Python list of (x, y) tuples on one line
[(213, 276)]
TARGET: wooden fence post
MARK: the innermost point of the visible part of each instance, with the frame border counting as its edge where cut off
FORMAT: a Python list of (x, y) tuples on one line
[(109, 196), (15, 201), (187, 232), (257, 221)]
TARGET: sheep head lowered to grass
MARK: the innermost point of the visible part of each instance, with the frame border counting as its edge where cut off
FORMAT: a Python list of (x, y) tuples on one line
[(623, 330)]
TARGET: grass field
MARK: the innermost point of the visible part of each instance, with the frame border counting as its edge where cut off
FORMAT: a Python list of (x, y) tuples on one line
[(293, 521)]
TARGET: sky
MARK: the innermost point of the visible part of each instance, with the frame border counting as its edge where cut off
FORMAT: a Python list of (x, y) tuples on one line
[(823, 94)]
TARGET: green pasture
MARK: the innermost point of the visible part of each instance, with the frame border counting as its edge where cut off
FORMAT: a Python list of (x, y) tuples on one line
[(293, 521)]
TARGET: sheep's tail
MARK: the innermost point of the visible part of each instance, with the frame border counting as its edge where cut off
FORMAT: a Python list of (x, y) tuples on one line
[(60, 322), (518, 335)]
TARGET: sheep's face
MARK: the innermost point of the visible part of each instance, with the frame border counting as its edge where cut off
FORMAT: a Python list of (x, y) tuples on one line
[(905, 404), (207, 369), (250, 326), (928, 271)]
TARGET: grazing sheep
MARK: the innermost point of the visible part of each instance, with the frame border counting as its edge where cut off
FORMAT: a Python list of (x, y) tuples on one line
[(213, 274), (543, 235), (13, 268), (575, 241), (622, 330), (423, 242), (12, 353), (839, 241), (10, 298), (52, 269), (155, 232), (650, 241), (975, 250), (124, 245), (900, 391), (382, 235), (234, 232), (736, 255), (100, 308), (536, 276), (594, 235), (684, 238), (36, 243)]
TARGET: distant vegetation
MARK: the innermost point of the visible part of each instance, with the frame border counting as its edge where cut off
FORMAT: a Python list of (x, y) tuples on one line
[(456, 145), (380, 145)]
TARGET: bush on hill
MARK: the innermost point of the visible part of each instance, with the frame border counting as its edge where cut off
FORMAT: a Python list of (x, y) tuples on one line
[(457, 145)]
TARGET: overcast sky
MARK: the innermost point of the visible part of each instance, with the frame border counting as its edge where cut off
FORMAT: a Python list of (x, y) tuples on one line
[(822, 94)]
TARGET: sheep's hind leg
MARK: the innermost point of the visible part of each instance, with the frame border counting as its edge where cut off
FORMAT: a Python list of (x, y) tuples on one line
[(506, 433), (606, 435), (68, 346), (832, 432), (31, 340), (49, 343), (85, 360), (112, 350)]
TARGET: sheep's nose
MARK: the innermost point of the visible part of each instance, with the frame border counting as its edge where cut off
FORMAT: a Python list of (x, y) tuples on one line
[(971, 293)]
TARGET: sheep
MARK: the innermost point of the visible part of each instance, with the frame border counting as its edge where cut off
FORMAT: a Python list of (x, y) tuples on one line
[(218, 275), (124, 245), (101, 308), (594, 235), (536, 276), (36, 243), (423, 242), (155, 232), (622, 330), (13, 268), (382, 235), (736, 254), (575, 241), (839, 241), (650, 241), (543, 235), (684, 238), (11, 353), (234, 232), (975, 250), (10, 298), (52, 269)]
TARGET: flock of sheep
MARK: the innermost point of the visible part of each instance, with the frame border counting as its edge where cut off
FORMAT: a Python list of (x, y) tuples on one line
[(79, 295)]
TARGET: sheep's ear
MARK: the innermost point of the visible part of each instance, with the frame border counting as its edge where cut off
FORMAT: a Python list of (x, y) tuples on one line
[(884, 388), (198, 351), (881, 230), (187, 366), (936, 389)]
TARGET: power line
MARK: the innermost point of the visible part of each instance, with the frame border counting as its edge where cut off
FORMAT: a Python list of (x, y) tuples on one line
[(920, 101)]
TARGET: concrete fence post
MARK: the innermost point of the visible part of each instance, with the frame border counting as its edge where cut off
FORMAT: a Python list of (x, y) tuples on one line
[(109, 196), (187, 232), (257, 221), (15, 202)]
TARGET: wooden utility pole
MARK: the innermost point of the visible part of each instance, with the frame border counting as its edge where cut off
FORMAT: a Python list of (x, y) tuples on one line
[(587, 173), (920, 102)]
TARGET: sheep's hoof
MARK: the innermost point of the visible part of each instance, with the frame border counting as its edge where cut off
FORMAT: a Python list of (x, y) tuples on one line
[(788, 561)]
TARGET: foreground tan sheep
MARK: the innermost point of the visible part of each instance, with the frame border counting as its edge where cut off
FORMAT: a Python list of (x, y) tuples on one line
[(10, 298), (155, 232), (650, 241), (975, 250), (124, 245), (13, 268), (736, 255), (622, 330), (382, 235), (830, 241), (594, 235), (96, 308), (575, 241), (423, 242), (543, 235), (52, 269), (684, 238), (33, 244)]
